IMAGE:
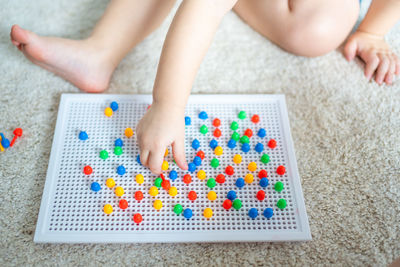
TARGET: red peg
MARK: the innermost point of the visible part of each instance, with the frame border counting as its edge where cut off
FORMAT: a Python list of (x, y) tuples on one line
[(227, 204), (255, 118), (262, 174), (217, 132), (248, 133), (200, 154), (138, 195), (281, 170), (137, 218), (260, 195), (187, 179), (192, 196), (123, 204), (272, 143), (166, 185), (220, 178), (229, 170), (17, 133), (87, 170), (216, 122)]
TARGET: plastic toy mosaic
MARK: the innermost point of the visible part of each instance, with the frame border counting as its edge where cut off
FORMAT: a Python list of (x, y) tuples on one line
[(242, 183)]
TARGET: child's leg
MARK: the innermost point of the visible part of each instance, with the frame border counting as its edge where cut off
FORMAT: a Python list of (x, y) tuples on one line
[(89, 63), (302, 27)]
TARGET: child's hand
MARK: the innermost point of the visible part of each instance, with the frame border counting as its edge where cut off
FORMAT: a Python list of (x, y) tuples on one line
[(161, 126), (376, 54)]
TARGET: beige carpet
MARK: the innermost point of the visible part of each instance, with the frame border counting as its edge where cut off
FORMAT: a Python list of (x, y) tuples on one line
[(346, 133)]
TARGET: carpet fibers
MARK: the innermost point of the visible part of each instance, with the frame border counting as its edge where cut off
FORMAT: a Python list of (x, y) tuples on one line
[(346, 134)]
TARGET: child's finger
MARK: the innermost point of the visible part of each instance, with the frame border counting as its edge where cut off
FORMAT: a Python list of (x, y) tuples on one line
[(178, 148), (144, 152), (390, 73), (382, 69), (144, 157), (155, 160), (397, 63), (350, 50), (372, 62)]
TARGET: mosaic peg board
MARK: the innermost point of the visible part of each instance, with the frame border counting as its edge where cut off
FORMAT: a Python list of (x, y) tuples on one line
[(71, 212)]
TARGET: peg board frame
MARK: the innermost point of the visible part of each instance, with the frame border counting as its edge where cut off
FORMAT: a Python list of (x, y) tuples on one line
[(71, 213)]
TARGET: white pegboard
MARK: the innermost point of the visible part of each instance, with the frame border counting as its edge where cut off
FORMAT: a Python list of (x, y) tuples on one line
[(72, 213)]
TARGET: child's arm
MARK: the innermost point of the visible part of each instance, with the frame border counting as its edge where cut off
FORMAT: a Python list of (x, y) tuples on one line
[(368, 41), (187, 41)]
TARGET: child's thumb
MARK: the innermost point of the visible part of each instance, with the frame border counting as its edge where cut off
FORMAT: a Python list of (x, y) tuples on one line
[(178, 148), (350, 50)]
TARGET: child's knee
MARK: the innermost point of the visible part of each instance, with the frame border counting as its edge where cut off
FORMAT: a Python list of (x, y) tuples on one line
[(319, 34), (311, 40)]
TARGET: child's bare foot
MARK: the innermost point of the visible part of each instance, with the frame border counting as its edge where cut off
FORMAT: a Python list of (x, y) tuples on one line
[(79, 62)]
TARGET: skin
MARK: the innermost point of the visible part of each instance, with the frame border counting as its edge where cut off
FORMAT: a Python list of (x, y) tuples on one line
[(182, 54), (88, 64), (301, 23), (293, 25), (368, 42)]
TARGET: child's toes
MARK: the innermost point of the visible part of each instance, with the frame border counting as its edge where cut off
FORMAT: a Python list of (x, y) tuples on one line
[(17, 44), (19, 35)]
